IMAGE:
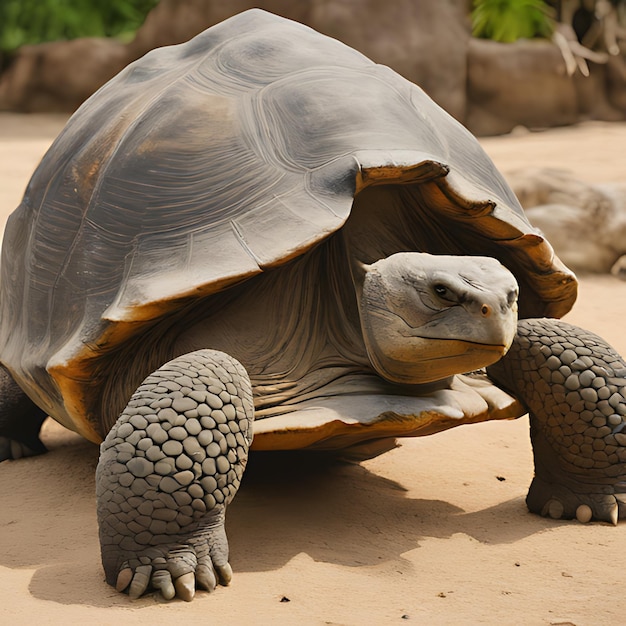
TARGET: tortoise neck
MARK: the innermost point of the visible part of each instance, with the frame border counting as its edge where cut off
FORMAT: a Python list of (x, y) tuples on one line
[(295, 329)]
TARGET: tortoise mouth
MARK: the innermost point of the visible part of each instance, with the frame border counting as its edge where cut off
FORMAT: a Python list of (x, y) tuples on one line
[(439, 359), (420, 332), (499, 348)]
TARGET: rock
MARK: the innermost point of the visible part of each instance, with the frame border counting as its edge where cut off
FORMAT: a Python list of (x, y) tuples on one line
[(513, 84), (59, 75), (586, 224)]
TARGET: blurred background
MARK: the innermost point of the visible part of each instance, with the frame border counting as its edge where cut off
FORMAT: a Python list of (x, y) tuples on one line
[(493, 64)]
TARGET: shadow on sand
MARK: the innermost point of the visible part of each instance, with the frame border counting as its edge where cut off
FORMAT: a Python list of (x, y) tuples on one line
[(286, 503)]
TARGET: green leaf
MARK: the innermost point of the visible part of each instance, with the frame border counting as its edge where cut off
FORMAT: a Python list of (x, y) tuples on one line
[(509, 20), (34, 21)]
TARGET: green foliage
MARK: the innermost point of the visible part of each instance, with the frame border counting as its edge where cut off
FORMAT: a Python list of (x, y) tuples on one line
[(33, 21), (510, 20)]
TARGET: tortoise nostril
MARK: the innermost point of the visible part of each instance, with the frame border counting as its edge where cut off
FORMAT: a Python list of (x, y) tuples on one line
[(485, 310)]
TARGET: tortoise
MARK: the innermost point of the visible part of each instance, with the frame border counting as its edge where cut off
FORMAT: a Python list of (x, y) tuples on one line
[(262, 230)]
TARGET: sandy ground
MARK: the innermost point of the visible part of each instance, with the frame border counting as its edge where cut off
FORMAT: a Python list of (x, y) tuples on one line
[(434, 532)]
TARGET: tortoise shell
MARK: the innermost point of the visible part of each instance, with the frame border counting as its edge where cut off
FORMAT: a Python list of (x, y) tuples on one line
[(205, 164)]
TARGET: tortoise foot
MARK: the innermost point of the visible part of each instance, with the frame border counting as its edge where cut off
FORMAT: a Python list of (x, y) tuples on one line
[(574, 386), (583, 502), (198, 559), (167, 471), (568, 486), (14, 449)]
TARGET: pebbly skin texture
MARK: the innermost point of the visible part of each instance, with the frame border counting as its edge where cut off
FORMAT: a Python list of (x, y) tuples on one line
[(167, 471), (574, 387)]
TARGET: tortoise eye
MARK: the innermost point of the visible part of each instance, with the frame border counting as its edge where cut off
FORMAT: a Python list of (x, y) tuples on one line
[(446, 295)]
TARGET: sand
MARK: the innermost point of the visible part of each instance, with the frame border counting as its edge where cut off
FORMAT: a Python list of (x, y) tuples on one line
[(434, 532)]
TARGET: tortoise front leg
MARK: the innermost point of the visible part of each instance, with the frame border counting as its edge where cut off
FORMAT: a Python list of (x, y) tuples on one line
[(574, 386), (169, 467)]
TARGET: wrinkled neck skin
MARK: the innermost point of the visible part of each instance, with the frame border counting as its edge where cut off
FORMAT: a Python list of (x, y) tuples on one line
[(298, 333)]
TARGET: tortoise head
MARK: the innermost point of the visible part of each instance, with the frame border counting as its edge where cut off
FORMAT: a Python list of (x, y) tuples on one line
[(426, 317)]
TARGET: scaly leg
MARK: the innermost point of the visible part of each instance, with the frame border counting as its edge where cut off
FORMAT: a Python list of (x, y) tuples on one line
[(168, 469), (574, 386)]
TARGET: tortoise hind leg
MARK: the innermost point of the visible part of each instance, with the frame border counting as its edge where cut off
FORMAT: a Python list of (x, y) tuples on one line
[(20, 421), (574, 386), (169, 467)]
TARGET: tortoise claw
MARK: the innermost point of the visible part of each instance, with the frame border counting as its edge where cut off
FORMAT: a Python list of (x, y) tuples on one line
[(606, 509), (186, 587), (553, 509), (205, 577), (584, 513), (14, 449), (162, 581), (124, 579), (140, 582), (174, 571), (621, 504), (224, 573)]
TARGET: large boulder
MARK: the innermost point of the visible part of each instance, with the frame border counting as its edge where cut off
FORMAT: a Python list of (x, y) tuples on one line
[(517, 84), (526, 84), (59, 75), (585, 223), (425, 41)]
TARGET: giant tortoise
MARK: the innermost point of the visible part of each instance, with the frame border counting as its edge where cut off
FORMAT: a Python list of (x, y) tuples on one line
[(263, 222)]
